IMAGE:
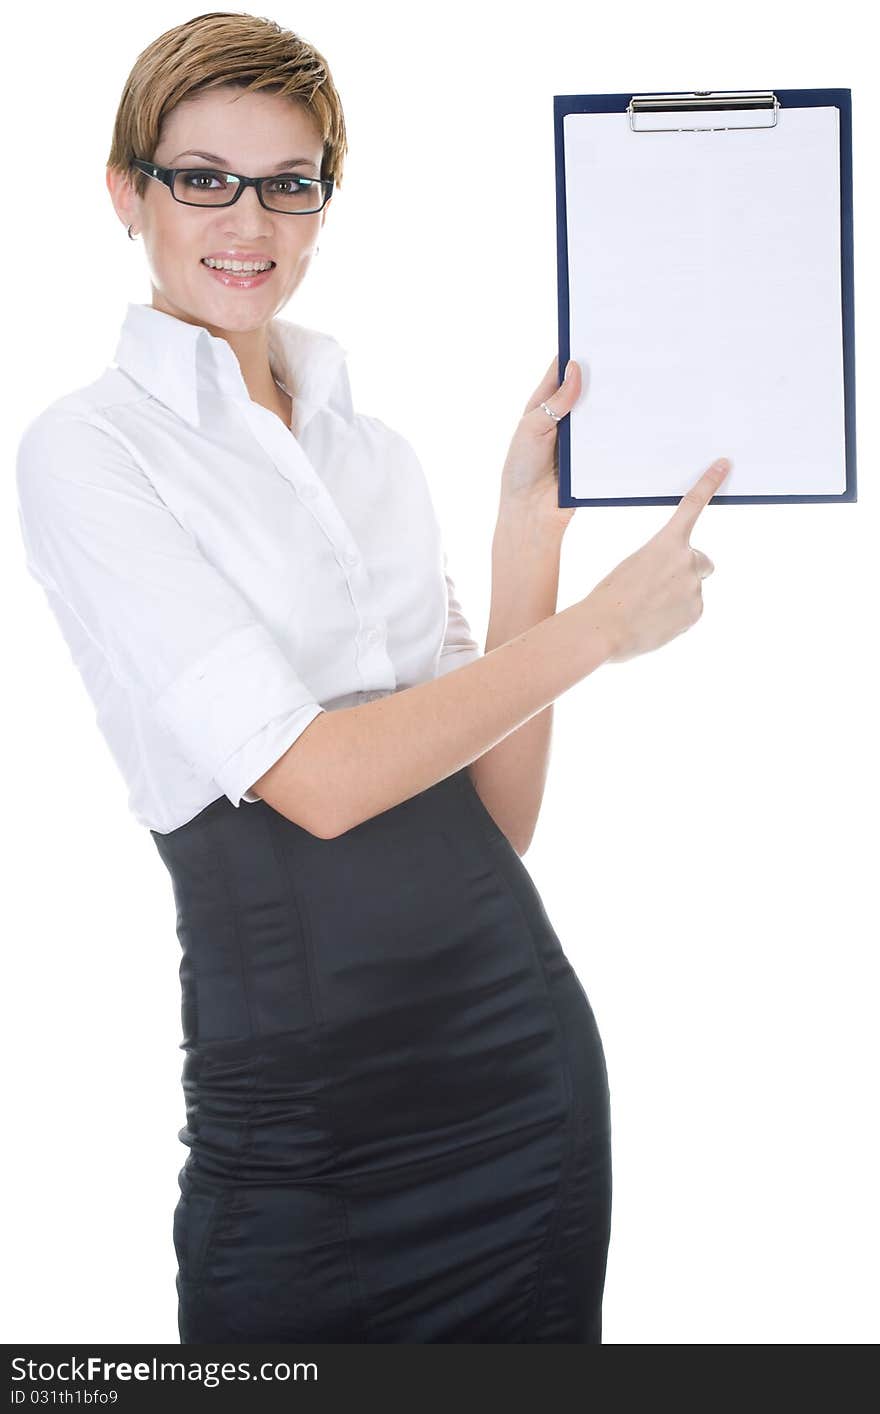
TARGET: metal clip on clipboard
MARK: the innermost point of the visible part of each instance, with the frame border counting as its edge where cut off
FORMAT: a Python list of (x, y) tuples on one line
[(702, 98)]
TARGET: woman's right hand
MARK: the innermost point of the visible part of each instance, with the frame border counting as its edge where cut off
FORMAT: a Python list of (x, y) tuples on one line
[(656, 594)]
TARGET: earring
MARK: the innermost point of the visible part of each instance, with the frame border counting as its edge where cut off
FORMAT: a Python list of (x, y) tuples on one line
[(130, 236)]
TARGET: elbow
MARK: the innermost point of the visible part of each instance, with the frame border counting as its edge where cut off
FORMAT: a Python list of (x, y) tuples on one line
[(329, 818), (330, 828), (520, 838), (300, 786), (324, 822), (315, 818)]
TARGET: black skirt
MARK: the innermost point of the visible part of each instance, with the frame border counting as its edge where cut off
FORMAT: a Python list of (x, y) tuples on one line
[(396, 1095)]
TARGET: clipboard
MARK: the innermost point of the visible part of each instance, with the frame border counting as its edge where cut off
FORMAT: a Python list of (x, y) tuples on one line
[(705, 287)]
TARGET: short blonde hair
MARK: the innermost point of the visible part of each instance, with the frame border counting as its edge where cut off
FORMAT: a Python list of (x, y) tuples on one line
[(234, 50)]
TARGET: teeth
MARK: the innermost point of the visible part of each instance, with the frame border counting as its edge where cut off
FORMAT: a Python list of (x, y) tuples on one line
[(243, 266)]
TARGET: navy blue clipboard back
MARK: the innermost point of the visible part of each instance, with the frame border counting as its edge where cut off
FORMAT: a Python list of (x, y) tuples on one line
[(841, 98)]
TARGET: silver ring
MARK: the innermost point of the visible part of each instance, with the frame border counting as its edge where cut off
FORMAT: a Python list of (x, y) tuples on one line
[(557, 417)]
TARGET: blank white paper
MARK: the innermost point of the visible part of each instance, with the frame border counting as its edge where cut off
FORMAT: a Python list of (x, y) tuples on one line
[(705, 303)]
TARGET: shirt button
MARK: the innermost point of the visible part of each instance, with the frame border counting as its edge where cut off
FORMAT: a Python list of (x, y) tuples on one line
[(309, 490), (372, 635), (351, 557)]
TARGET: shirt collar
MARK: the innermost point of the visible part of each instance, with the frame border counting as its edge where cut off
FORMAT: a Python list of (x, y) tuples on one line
[(168, 357)]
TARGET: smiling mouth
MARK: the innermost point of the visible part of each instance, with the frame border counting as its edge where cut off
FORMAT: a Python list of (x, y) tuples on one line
[(237, 267)]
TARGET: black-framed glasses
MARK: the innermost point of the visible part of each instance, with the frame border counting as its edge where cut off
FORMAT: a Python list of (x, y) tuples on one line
[(289, 193)]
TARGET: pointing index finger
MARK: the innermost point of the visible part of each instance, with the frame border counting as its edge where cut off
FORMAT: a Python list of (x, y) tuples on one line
[(700, 494)]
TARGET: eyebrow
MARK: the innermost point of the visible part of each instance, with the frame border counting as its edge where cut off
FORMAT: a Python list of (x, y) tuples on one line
[(221, 161)]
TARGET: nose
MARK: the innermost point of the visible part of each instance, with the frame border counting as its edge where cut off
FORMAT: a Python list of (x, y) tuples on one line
[(247, 207)]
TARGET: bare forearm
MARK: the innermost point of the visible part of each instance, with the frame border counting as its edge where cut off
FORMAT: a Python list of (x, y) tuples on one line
[(511, 776), (355, 763)]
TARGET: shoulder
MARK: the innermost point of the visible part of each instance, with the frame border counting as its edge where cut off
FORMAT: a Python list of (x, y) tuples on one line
[(398, 473), (391, 452), (91, 401), (385, 439), (74, 439)]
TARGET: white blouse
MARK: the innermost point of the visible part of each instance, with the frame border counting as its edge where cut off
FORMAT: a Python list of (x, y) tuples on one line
[(219, 578)]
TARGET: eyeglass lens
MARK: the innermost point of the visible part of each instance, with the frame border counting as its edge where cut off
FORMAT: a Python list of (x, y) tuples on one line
[(204, 187)]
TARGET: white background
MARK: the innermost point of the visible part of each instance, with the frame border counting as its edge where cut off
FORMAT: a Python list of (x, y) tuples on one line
[(707, 848)]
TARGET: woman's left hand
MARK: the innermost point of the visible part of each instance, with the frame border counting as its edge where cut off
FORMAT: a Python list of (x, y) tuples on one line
[(530, 478)]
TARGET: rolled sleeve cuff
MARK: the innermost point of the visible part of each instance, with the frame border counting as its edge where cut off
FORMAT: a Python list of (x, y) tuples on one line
[(235, 706), (262, 751)]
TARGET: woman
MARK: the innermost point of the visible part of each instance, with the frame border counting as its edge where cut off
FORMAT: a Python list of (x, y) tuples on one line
[(396, 1095)]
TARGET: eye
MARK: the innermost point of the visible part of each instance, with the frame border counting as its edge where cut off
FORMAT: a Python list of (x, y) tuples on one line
[(194, 178), (294, 183)]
